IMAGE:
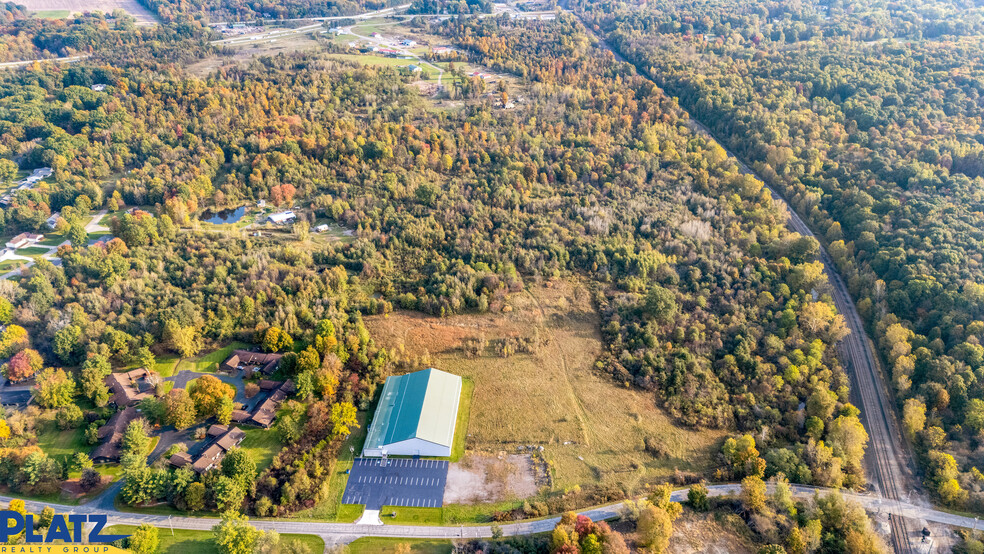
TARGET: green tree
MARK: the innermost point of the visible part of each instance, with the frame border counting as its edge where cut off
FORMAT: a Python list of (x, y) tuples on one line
[(53, 388), (660, 304), (697, 497), (235, 535), (239, 465), (78, 235), (68, 344), (144, 540), (194, 497), (92, 379), (135, 439), (179, 409), (229, 493), (654, 528)]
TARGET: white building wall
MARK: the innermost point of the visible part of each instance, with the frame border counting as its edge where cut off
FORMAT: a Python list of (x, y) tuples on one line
[(411, 447)]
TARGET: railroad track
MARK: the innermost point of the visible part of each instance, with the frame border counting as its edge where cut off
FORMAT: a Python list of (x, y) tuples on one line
[(886, 449)]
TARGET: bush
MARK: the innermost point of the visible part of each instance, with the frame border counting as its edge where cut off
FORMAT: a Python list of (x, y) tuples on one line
[(251, 390), (90, 479)]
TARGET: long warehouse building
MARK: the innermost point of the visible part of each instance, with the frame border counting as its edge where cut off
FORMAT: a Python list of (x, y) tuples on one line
[(416, 415)]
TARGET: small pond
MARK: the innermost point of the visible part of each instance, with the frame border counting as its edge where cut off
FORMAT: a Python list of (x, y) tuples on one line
[(224, 216)]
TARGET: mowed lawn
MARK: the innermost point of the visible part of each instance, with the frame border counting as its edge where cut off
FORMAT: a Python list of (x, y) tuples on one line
[(384, 545), (591, 428), (209, 363), (55, 443), (262, 445), (185, 541)]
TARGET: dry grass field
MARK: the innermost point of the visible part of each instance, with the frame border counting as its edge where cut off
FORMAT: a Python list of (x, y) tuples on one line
[(592, 430), (132, 7)]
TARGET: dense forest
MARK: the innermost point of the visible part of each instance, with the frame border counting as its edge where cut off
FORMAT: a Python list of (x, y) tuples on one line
[(867, 117), (707, 299)]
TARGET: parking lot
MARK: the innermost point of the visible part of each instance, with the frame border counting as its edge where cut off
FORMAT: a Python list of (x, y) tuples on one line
[(401, 482)]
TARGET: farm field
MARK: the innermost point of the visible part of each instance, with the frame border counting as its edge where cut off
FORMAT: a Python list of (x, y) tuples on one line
[(55, 8), (63, 8), (591, 428)]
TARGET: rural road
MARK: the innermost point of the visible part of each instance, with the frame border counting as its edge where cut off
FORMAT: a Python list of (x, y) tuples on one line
[(68, 59), (886, 453)]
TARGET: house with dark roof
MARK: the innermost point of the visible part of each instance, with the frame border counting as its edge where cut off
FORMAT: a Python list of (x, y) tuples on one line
[(240, 360), (220, 439), (130, 387), (112, 435), (265, 410)]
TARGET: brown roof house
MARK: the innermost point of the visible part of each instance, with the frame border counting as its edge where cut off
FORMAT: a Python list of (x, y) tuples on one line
[(221, 439), (112, 434), (131, 387), (257, 361), (264, 412)]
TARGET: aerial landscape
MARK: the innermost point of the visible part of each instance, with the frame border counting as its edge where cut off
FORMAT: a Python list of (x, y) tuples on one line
[(517, 277)]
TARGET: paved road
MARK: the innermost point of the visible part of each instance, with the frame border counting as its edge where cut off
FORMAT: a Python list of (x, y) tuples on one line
[(69, 59), (338, 533)]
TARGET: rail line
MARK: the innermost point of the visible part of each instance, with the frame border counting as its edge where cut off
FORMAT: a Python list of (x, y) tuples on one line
[(886, 448)]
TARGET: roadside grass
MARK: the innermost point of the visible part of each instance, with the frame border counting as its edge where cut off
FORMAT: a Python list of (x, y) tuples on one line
[(187, 541), (406, 515), (31, 251), (153, 444), (95, 235), (475, 513), (592, 429), (209, 363), (387, 545), (349, 513), (262, 445)]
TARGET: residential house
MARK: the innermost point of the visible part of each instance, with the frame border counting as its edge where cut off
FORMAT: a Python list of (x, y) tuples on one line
[(265, 363), (282, 218), (23, 240), (130, 387), (220, 440), (111, 435), (52, 220)]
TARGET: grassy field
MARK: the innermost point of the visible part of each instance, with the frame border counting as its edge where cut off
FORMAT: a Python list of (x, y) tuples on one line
[(591, 428), (52, 240), (8, 265), (165, 365), (185, 541), (209, 363), (55, 442), (32, 251), (262, 445), (52, 14), (385, 545), (383, 61)]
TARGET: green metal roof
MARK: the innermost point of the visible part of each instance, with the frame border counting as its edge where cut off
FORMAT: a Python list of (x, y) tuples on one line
[(421, 405)]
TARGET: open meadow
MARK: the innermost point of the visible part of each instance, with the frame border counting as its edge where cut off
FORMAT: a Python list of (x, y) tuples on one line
[(591, 428), (53, 8)]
